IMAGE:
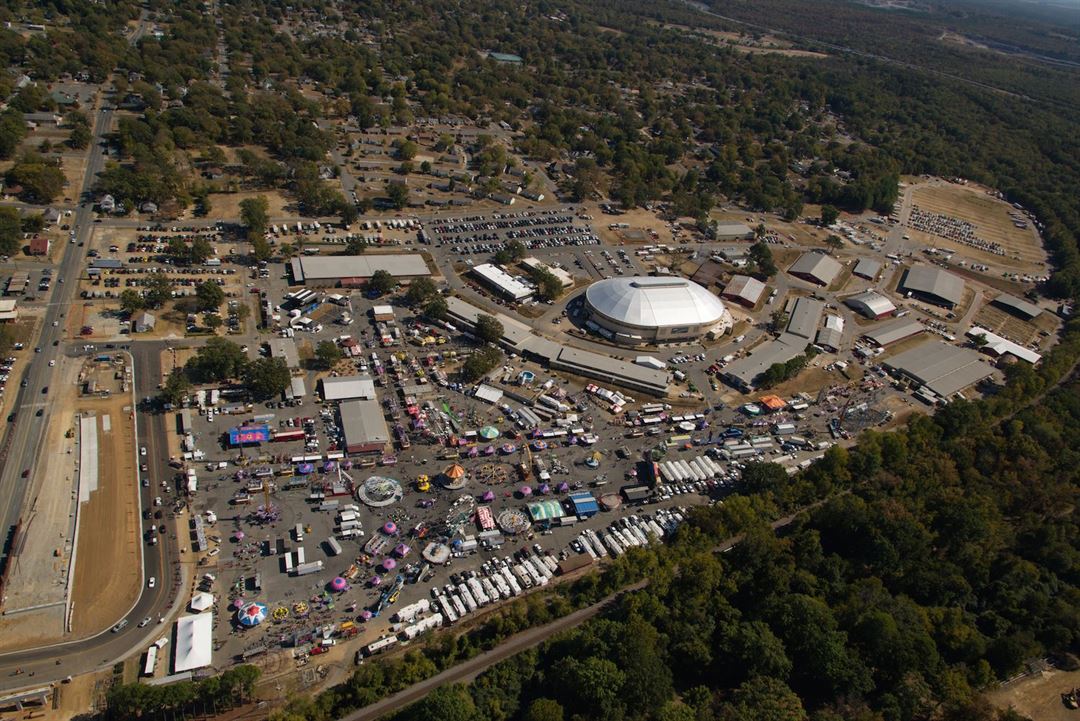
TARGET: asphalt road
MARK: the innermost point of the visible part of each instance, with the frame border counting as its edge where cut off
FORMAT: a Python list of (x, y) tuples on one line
[(26, 436)]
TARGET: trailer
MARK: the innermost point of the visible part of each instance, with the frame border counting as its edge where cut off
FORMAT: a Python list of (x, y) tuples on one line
[(379, 646), (596, 544), (459, 606), (612, 545), (346, 516), (477, 592), (407, 614), (335, 547), (288, 562), (587, 546), (411, 632), (467, 597), (511, 580), (303, 569), (448, 611)]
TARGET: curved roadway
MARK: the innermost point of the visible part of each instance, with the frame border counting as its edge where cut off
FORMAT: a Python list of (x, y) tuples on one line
[(23, 447)]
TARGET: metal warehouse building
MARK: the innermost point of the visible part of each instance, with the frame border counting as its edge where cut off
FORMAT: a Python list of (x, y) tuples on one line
[(654, 310), (871, 305), (347, 388), (744, 290), (355, 270), (894, 332), (498, 280), (364, 427), (933, 285), (867, 268), (734, 231), (1017, 306), (816, 268), (942, 368)]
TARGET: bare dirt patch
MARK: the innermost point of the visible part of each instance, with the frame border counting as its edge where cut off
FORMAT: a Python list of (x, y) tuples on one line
[(227, 205), (1038, 696), (109, 553)]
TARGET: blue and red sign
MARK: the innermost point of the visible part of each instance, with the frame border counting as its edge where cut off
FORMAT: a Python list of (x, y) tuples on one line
[(249, 434)]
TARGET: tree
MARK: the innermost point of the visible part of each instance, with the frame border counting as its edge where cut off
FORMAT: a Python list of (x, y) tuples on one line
[(209, 295), (41, 182), (199, 251), (763, 698), (478, 364), (131, 302), (10, 231), (407, 150), (488, 328), (398, 195), (79, 137), (544, 709), (356, 246), (513, 251), (778, 320), (829, 214), (219, 360), (420, 291), (762, 258), (446, 703), (349, 213), (159, 290), (436, 308), (255, 215), (212, 321), (327, 354), (266, 377), (834, 241), (176, 386), (12, 132), (548, 287), (382, 282), (260, 248)]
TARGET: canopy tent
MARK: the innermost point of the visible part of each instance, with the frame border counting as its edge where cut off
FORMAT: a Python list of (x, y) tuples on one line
[(306, 468), (563, 487), (545, 510), (525, 491), (375, 580), (508, 448), (543, 489), (252, 614), (401, 550), (239, 535), (488, 496), (489, 432), (489, 451), (339, 584), (455, 471), (201, 601), (389, 528), (194, 642), (366, 615), (238, 603), (389, 564)]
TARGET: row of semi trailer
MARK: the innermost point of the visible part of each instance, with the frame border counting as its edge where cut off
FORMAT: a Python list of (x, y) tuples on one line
[(515, 575)]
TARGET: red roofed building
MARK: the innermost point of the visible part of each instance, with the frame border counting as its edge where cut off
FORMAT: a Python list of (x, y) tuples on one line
[(39, 245)]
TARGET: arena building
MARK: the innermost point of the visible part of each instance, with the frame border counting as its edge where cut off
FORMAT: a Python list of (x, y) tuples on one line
[(654, 310)]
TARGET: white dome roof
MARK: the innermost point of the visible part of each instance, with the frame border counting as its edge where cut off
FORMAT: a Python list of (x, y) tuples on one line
[(649, 302)]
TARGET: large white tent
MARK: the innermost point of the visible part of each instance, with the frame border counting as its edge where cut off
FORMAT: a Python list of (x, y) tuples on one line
[(201, 601), (194, 642)]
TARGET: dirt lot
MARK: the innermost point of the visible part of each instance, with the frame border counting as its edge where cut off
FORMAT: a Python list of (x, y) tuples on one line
[(107, 571), (989, 215), (1039, 696), (637, 219)]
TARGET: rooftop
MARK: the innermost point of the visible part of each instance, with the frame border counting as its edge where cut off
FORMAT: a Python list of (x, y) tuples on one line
[(818, 266), (316, 268), (348, 388), (944, 369), (503, 281), (362, 423), (648, 302), (936, 282)]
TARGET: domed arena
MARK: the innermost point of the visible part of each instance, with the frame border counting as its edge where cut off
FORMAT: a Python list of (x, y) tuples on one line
[(643, 309)]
